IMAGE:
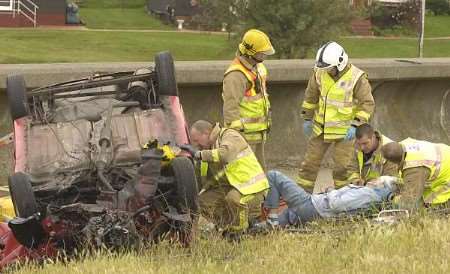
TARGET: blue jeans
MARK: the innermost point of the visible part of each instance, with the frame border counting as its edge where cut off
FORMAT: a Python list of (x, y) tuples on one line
[(300, 208)]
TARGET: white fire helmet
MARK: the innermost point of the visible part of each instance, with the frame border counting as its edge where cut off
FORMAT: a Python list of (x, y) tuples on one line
[(331, 55)]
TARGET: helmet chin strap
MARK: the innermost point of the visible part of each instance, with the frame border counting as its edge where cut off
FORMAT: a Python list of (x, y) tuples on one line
[(333, 71), (256, 59), (251, 59)]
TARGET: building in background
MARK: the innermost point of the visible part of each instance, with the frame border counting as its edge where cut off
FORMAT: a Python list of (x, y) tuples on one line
[(367, 3), (172, 10), (29, 13)]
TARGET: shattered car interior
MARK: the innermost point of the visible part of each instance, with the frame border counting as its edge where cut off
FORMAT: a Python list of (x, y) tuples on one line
[(97, 163)]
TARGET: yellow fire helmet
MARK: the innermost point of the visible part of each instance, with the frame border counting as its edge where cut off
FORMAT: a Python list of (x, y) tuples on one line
[(256, 41), (6, 209)]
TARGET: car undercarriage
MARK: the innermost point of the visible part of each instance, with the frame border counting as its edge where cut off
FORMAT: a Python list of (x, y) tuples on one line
[(97, 162)]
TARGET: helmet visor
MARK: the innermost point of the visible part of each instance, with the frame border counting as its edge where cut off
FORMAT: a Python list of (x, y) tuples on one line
[(323, 65), (270, 51)]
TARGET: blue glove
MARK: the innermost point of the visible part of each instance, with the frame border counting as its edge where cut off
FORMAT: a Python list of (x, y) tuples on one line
[(307, 128), (351, 131)]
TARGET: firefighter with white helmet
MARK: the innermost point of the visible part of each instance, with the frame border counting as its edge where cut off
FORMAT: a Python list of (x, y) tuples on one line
[(246, 105), (337, 99), (331, 55)]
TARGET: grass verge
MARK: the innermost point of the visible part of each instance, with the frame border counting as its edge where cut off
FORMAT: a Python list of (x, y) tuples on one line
[(394, 48), (53, 46), (117, 18), (124, 4), (437, 26), (416, 246)]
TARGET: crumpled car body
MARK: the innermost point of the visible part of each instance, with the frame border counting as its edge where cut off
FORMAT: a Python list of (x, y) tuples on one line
[(97, 164)]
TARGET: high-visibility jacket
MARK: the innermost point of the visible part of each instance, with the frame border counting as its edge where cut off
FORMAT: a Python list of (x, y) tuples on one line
[(377, 161), (336, 108), (243, 172), (435, 157), (254, 108)]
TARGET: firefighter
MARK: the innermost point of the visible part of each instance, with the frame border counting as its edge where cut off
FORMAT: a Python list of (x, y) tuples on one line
[(246, 106), (369, 164), (337, 99), (425, 169), (233, 182)]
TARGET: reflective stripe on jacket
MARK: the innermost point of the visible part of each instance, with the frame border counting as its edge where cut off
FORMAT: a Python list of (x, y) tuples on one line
[(243, 171), (435, 157), (254, 107), (336, 108)]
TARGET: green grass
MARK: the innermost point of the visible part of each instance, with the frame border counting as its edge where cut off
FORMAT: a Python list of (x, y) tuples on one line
[(116, 18), (119, 14), (394, 48), (437, 26), (53, 46), (396, 31), (112, 3), (45, 46), (417, 246)]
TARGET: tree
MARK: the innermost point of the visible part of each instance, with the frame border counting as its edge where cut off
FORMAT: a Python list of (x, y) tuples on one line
[(215, 13), (297, 26), (405, 14), (294, 26), (439, 7)]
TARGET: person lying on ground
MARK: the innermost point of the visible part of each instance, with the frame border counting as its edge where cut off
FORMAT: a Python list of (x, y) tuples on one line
[(304, 207)]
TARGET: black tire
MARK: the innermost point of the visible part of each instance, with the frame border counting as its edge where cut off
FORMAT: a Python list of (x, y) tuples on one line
[(22, 195), (186, 185), (165, 74), (16, 91)]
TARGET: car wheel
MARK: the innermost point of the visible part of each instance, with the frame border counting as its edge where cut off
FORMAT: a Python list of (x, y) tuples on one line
[(22, 195), (165, 74), (17, 96), (186, 184)]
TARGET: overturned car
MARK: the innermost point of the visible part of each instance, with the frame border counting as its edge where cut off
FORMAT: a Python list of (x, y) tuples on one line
[(97, 164)]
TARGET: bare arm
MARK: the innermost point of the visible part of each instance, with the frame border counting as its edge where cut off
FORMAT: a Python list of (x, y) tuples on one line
[(354, 172)]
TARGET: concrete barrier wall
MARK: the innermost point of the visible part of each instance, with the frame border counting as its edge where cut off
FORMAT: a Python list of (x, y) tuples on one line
[(411, 108), (286, 141), (411, 95), (199, 73)]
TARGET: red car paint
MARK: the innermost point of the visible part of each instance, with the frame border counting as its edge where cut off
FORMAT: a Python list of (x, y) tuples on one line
[(19, 144), (13, 252)]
